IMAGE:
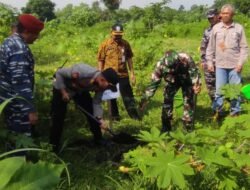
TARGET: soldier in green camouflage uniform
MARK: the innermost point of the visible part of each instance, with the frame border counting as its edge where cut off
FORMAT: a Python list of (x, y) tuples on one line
[(178, 71)]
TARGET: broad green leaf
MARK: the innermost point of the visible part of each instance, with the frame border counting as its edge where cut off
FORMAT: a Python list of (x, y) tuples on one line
[(209, 155), (244, 133), (227, 179), (228, 184), (153, 136), (231, 91), (9, 167), (231, 122), (169, 169), (189, 138), (178, 135), (242, 159), (37, 176), (138, 157), (24, 141), (211, 133)]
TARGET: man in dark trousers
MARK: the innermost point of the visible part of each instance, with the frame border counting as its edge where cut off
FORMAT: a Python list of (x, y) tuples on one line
[(76, 83), (17, 75), (116, 53)]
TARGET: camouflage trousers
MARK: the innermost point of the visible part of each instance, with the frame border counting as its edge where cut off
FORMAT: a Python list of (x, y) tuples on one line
[(17, 118), (188, 103), (210, 83)]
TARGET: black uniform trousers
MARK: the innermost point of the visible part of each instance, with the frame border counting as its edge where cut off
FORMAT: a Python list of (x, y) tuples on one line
[(58, 113), (128, 100)]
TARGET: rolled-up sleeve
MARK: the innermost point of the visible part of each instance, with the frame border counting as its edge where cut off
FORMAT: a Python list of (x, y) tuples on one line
[(244, 51), (61, 74)]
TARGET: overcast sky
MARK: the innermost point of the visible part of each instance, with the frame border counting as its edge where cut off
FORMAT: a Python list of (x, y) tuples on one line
[(125, 3)]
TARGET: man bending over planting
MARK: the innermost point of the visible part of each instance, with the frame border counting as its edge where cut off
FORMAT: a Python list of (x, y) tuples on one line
[(76, 83), (179, 71)]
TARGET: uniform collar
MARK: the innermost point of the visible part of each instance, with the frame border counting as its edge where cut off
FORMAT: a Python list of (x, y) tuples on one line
[(232, 25)]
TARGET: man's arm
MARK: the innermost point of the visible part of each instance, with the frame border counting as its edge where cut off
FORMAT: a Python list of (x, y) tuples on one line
[(131, 69), (101, 57), (100, 65), (243, 51), (97, 105), (59, 84), (156, 77), (210, 52), (195, 76), (203, 47), (61, 75)]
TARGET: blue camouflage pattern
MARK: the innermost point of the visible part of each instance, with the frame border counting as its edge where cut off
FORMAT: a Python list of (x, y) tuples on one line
[(209, 76), (17, 79)]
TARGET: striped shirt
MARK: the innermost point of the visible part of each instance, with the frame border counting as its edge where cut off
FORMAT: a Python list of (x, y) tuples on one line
[(17, 72)]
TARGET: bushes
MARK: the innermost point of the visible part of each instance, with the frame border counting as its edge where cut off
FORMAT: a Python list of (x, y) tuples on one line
[(7, 17)]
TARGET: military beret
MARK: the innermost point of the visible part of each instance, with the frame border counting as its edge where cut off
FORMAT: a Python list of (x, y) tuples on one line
[(31, 23)]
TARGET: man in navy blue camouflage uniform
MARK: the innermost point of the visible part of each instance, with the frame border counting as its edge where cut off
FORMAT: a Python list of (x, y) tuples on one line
[(17, 75), (213, 18)]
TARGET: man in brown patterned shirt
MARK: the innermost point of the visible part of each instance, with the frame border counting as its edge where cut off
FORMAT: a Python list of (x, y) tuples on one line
[(116, 53)]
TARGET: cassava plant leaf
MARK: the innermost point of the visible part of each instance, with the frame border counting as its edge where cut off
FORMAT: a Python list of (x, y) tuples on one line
[(244, 133), (153, 136), (189, 138), (169, 169), (210, 155), (138, 157)]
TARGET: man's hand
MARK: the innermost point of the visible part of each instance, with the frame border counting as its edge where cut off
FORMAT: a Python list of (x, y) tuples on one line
[(65, 95), (197, 89), (133, 79), (238, 68), (210, 68), (103, 125), (33, 118), (142, 105)]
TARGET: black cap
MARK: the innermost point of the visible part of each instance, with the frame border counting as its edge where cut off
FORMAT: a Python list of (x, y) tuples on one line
[(111, 76), (117, 29), (211, 13)]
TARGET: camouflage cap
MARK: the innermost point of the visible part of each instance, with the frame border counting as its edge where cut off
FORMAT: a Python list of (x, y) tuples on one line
[(211, 13)]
